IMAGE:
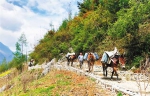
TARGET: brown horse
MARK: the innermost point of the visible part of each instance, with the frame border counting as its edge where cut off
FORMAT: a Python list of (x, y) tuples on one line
[(113, 62), (91, 61), (71, 58), (122, 62)]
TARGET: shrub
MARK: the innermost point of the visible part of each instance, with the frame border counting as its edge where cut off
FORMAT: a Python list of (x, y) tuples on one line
[(119, 94)]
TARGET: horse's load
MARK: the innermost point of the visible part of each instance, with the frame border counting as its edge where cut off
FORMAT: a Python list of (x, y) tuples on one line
[(111, 54), (104, 58), (69, 54), (96, 56), (85, 56), (107, 55)]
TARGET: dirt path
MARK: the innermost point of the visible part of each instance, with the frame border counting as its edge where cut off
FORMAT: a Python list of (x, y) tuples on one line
[(127, 87)]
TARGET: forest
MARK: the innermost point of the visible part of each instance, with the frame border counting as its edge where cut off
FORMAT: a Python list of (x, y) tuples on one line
[(100, 26)]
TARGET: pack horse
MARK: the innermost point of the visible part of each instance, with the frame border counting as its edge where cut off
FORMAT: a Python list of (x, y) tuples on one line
[(91, 58), (70, 58), (110, 59)]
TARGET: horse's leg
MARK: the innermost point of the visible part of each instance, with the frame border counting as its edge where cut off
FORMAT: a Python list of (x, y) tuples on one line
[(71, 62), (116, 74), (106, 70), (115, 71), (89, 65), (103, 65), (92, 67), (112, 74), (68, 63)]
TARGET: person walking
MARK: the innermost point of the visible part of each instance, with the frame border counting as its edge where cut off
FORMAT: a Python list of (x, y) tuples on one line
[(80, 59)]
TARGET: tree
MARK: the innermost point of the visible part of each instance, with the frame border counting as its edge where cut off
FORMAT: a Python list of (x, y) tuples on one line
[(3, 65), (22, 41), (18, 57), (63, 25), (18, 53)]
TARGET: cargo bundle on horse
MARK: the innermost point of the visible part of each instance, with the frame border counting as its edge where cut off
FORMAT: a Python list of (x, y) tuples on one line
[(70, 58), (110, 59), (91, 57)]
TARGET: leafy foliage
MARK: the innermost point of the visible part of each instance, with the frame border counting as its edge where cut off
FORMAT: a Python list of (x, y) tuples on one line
[(100, 26), (22, 41), (19, 57), (119, 94), (3, 65)]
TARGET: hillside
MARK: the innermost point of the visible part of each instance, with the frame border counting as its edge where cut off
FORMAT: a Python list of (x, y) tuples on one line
[(5, 52), (55, 83), (100, 26)]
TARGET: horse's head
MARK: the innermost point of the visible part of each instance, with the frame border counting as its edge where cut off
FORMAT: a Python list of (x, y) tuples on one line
[(90, 56), (122, 60)]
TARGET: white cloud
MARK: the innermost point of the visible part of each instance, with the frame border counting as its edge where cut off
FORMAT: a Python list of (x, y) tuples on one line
[(13, 25), (31, 17)]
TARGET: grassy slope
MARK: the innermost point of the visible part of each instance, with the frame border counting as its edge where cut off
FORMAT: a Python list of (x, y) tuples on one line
[(55, 83)]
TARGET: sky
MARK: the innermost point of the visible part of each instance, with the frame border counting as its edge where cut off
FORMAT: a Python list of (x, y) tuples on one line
[(32, 18)]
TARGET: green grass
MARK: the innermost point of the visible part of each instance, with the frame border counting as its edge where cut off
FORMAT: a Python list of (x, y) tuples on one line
[(5, 73), (59, 75), (80, 84), (92, 79), (40, 91), (62, 82)]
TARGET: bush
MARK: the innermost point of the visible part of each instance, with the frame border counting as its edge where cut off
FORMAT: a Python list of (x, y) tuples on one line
[(136, 61), (3, 66), (119, 94)]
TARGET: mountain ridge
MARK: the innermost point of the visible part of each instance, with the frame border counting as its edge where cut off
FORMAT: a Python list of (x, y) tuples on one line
[(5, 53)]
